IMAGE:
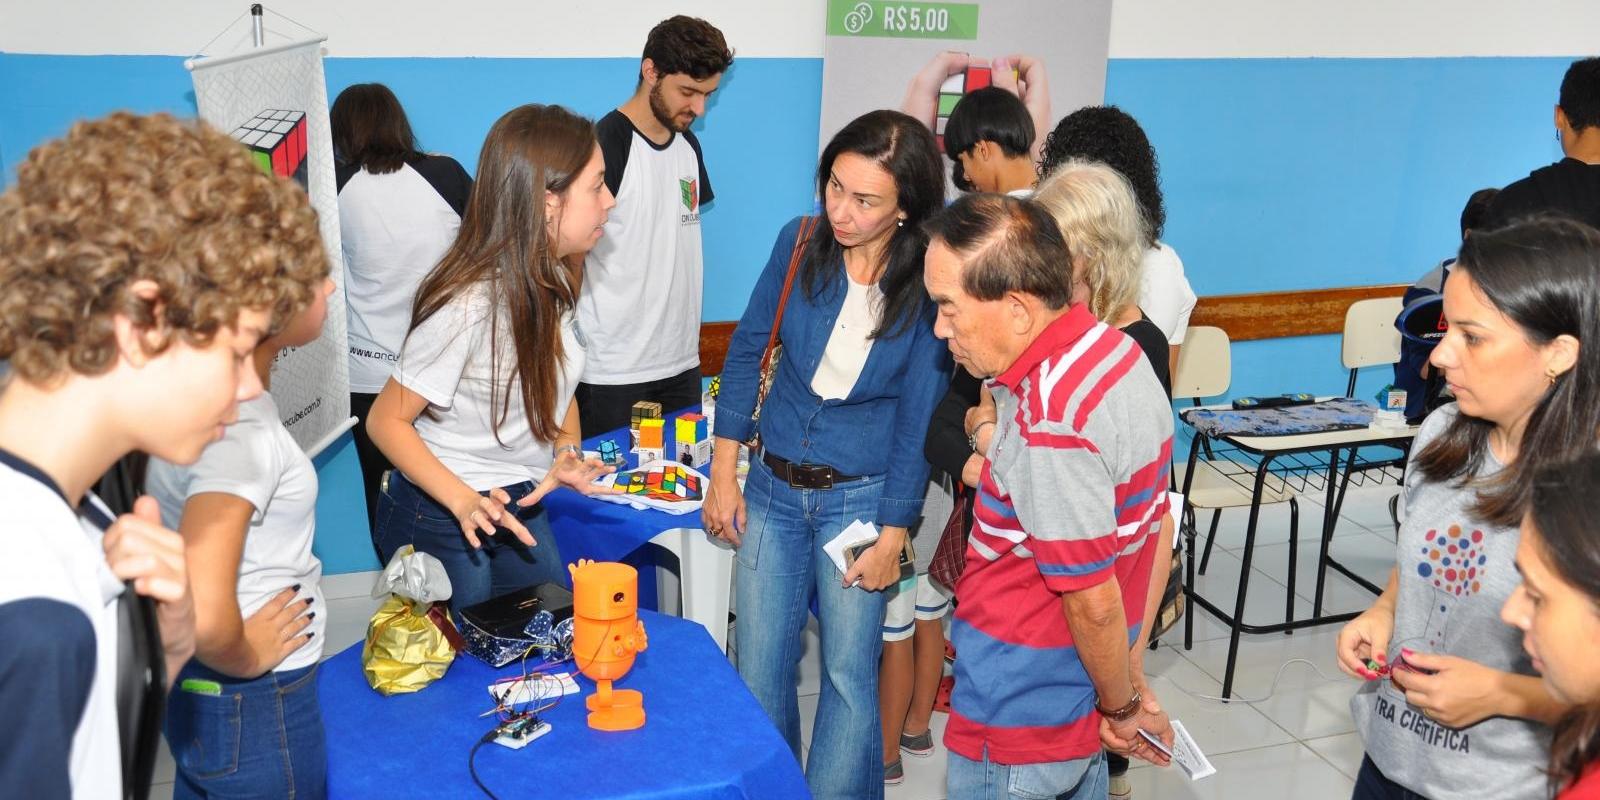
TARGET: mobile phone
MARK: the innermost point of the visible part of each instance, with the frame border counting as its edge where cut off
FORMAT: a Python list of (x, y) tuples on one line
[(1400, 662), (1155, 742), (908, 557)]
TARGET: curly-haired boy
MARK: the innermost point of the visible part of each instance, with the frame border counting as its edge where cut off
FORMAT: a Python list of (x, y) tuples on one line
[(142, 259)]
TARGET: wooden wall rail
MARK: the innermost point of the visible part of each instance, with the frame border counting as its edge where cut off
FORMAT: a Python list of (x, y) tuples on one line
[(1264, 315)]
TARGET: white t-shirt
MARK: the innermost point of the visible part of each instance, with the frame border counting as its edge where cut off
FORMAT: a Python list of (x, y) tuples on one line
[(258, 461), (1164, 293), (642, 283), (447, 361), (394, 228), (54, 565), (850, 343)]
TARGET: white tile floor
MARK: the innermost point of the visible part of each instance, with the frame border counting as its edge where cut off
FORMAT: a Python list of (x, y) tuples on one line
[(1299, 742)]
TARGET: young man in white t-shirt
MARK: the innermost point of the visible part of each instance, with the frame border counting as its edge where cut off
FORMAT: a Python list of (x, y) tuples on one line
[(247, 513), (642, 285), (129, 325)]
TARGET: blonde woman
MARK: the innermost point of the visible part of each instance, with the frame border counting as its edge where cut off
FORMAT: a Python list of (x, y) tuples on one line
[(1099, 217)]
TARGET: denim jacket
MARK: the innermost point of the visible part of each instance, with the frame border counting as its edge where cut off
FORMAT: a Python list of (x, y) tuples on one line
[(877, 430)]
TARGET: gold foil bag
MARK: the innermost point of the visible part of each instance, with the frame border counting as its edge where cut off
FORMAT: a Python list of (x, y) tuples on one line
[(405, 650)]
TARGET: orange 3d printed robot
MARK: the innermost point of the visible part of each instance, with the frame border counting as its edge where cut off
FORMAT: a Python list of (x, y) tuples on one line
[(606, 634)]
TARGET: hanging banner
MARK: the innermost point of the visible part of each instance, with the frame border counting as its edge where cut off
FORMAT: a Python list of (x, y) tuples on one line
[(922, 57), (274, 100)]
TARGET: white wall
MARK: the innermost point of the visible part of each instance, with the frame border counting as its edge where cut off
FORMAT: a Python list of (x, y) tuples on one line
[(793, 28), (1353, 28)]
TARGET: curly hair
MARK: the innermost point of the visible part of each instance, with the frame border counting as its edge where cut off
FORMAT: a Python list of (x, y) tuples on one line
[(1099, 219), (129, 198), (687, 45), (1109, 135)]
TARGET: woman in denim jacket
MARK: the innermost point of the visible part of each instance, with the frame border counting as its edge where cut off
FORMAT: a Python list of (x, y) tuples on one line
[(841, 439)]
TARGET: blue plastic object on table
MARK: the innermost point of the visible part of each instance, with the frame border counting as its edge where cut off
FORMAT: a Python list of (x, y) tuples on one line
[(587, 528), (704, 734)]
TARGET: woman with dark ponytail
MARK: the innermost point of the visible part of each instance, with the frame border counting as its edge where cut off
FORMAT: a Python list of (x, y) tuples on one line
[(1557, 608), (1452, 707)]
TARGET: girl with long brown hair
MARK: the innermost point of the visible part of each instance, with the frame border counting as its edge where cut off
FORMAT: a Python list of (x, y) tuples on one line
[(479, 418), (1557, 608)]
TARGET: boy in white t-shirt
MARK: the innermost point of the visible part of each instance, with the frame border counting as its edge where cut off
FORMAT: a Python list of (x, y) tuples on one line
[(247, 513), (642, 283), (136, 289)]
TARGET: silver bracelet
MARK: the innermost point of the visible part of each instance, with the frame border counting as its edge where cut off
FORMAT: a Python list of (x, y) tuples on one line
[(576, 451), (972, 438)]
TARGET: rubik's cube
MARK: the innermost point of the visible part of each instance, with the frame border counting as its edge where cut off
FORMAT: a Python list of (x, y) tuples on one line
[(610, 453), (693, 438), (690, 428), (277, 142), (651, 432), (673, 484), (715, 388), (954, 88), (643, 410)]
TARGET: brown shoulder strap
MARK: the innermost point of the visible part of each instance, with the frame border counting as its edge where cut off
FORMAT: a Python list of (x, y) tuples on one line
[(807, 226)]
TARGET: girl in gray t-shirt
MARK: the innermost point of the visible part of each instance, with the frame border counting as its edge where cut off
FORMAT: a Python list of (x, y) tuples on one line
[(1452, 707), (1453, 573)]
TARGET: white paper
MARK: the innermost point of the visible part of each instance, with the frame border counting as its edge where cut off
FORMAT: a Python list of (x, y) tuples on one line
[(855, 533), (1185, 752), (1175, 508), (534, 687)]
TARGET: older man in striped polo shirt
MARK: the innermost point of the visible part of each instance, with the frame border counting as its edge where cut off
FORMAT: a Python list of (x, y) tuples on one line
[(1067, 518)]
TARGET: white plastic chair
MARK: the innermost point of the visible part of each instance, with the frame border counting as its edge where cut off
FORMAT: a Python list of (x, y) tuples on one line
[(1370, 338), (1205, 369)]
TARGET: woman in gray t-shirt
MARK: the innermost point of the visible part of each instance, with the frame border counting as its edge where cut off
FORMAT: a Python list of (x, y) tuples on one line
[(1452, 707)]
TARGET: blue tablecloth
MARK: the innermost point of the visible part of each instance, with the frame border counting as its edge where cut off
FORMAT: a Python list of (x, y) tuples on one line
[(704, 734), (588, 528)]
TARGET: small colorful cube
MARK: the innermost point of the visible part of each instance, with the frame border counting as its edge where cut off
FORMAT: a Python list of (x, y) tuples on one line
[(610, 453), (643, 410), (277, 142), (651, 433)]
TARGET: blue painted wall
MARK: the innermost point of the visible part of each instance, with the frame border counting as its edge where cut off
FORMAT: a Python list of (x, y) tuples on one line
[(1279, 173)]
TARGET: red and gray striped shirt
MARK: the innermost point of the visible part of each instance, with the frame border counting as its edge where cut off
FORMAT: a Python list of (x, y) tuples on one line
[(1073, 495)]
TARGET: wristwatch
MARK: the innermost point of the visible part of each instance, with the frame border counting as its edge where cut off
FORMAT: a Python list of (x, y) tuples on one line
[(1120, 714), (972, 438)]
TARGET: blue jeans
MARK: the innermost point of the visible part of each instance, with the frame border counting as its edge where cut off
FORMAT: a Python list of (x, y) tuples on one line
[(781, 564), (1080, 779), (260, 737), (1372, 784), (407, 515)]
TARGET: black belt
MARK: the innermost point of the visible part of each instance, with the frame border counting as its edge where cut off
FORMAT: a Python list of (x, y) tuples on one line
[(804, 476)]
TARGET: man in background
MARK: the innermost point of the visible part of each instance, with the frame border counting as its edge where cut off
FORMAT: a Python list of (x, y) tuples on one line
[(639, 310)]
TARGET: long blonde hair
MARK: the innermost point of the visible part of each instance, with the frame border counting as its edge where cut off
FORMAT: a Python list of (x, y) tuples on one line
[(1095, 208)]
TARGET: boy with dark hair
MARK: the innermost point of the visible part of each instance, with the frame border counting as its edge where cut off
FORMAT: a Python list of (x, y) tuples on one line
[(990, 137), (640, 307), (1570, 186)]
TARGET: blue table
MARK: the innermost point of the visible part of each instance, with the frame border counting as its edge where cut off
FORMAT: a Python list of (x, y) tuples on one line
[(589, 528), (704, 734)]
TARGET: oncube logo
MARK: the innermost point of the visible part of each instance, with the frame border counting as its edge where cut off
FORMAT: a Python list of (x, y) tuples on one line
[(691, 194)]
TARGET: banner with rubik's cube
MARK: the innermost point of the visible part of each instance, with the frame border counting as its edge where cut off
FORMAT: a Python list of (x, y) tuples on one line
[(274, 102), (277, 141)]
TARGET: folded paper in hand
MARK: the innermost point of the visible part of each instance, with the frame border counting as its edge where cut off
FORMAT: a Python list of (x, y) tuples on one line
[(855, 533)]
